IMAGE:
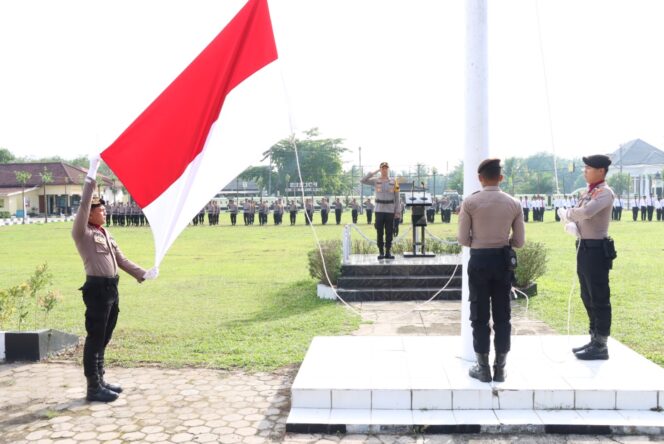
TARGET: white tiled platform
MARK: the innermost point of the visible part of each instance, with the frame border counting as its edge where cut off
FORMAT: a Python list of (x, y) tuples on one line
[(369, 383)]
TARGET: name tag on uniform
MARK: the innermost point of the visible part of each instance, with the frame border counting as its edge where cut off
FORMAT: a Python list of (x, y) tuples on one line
[(100, 239)]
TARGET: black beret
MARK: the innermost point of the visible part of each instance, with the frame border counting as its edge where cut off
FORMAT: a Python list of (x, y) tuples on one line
[(597, 161), (488, 163)]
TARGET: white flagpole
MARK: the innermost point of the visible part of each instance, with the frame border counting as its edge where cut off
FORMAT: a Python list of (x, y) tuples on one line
[(477, 135)]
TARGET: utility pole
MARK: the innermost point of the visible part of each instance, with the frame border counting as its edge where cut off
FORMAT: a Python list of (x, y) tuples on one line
[(359, 149)]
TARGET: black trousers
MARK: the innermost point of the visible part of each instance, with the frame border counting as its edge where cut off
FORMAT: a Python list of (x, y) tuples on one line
[(354, 216), (337, 216), (635, 213), (651, 209), (233, 218), (644, 213), (369, 216), (526, 212), (101, 299), (384, 226), (323, 216), (592, 268), (489, 285), (309, 217), (293, 217)]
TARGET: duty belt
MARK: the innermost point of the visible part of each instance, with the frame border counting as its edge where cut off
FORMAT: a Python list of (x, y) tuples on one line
[(486, 251), (100, 280), (384, 201), (591, 243)]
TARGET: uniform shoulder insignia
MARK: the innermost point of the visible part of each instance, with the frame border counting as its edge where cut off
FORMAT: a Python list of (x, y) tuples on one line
[(476, 191)]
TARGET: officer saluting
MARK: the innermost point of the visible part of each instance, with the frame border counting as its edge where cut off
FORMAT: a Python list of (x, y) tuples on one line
[(387, 207), (590, 222), (101, 258), (485, 221)]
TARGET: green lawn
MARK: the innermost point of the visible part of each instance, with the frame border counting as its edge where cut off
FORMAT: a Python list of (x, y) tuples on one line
[(241, 297)]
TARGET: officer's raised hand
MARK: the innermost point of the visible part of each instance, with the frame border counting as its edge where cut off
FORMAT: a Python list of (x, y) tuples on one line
[(94, 166)]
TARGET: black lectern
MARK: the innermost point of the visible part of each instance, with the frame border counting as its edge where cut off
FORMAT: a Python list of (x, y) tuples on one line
[(418, 203)]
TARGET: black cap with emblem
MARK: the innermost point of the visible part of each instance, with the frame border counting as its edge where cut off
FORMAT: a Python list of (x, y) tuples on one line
[(97, 201), (491, 163), (597, 161)]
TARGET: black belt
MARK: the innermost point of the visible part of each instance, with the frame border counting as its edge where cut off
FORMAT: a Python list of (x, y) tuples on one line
[(102, 280), (384, 201), (486, 251), (591, 243)]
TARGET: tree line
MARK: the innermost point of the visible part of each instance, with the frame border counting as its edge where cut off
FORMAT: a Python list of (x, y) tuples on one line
[(320, 161)]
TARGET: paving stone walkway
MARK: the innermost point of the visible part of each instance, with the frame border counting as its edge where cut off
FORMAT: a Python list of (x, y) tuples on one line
[(44, 402)]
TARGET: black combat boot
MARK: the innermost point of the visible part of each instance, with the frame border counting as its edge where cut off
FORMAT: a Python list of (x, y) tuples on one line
[(481, 370), (381, 253), (499, 373), (388, 253), (107, 385), (98, 393), (583, 347), (596, 350)]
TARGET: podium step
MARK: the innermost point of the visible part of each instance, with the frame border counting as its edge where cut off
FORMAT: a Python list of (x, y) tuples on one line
[(366, 278), (369, 383), (397, 294)]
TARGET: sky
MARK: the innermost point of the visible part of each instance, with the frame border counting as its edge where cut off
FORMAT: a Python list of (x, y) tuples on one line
[(573, 77)]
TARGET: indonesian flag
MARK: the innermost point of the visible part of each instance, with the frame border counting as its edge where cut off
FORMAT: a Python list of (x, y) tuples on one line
[(217, 116)]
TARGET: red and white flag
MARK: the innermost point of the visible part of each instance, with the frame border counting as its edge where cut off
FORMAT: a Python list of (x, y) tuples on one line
[(207, 126)]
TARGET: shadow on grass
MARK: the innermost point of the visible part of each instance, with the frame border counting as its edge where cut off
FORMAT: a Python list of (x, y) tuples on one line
[(296, 299)]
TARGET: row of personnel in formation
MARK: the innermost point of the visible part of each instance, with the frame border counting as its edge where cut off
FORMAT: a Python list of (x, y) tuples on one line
[(250, 208)]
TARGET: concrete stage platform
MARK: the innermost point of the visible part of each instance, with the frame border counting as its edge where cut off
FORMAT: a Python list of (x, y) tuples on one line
[(418, 383)]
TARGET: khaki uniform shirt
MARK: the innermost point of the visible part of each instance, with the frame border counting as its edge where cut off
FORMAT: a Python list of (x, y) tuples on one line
[(593, 212), (100, 253), (387, 198), (486, 218)]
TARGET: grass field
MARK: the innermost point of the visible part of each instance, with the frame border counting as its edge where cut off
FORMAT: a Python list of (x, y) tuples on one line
[(241, 297)]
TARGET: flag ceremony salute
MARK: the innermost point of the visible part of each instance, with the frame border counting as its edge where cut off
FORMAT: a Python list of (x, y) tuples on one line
[(216, 117)]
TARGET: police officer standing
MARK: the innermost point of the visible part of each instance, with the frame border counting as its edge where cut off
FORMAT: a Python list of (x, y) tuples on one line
[(232, 209), (338, 209), (590, 222), (387, 207), (485, 221), (101, 258), (370, 209)]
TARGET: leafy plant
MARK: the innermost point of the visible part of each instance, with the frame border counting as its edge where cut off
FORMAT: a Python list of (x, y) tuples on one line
[(18, 298), (47, 302), (7, 307), (531, 259), (19, 293), (39, 280), (330, 260)]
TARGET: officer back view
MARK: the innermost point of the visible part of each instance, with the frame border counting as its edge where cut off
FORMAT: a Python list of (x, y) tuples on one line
[(485, 221)]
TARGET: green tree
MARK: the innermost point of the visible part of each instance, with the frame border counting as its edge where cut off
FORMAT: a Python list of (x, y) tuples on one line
[(46, 178), (619, 182), (6, 156), (258, 174), (320, 161), (455, 179), (22, 177)]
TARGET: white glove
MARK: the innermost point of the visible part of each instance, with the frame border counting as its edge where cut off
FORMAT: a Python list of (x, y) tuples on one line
[(562, 214), (571, 228), (94, 166), (152, 273)]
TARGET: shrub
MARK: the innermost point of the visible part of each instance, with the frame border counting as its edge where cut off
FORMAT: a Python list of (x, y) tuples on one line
[(332, 262), (26, 296), (363, 246), (5, 215), (531, 259)]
